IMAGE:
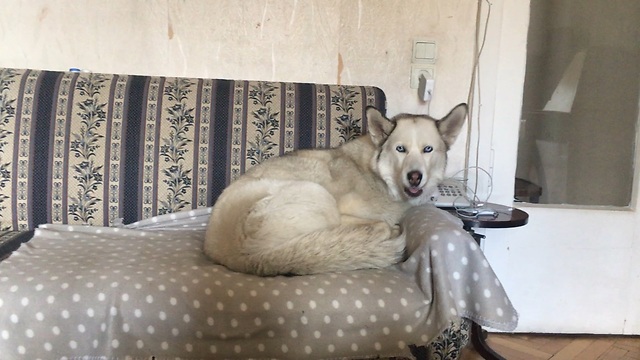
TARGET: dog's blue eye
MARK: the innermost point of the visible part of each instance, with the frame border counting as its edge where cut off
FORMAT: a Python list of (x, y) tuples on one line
[(400, 148), (428, 149)]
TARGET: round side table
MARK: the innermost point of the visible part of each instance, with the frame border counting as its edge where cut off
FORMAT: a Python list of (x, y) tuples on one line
[(494, 216)]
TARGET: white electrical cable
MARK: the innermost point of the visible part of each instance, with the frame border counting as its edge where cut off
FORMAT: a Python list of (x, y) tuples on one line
[(475, 82)]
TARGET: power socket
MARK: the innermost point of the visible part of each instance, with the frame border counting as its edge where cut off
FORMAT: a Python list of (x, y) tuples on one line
[(428, 70)]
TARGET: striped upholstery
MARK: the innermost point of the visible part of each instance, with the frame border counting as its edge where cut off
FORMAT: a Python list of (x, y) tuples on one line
[(87, 148)]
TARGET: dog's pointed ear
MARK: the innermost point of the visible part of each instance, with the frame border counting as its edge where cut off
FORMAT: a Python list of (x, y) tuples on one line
[(451, 125), (379, 126)]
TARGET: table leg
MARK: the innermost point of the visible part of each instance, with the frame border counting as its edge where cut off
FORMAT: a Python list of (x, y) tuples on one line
[(478, 336), (478, 339)]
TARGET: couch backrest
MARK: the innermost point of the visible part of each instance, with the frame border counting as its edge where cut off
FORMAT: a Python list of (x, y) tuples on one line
[(88, 148)]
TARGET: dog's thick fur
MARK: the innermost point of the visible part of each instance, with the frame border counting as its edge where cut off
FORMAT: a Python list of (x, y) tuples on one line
[(314, 211)]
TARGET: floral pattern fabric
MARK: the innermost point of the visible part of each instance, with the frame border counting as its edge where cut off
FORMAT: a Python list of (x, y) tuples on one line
[(99, 149)]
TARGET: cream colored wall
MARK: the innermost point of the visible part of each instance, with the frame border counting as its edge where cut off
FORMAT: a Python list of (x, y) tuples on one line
[(323, 41)]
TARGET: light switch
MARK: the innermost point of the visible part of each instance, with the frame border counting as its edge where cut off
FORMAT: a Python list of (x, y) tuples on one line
[(424, 51)]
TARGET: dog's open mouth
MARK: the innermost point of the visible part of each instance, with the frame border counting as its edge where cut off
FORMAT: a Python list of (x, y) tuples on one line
[(413, 191)]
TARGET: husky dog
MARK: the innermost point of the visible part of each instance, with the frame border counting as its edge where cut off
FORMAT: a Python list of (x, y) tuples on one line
[(325, 210)]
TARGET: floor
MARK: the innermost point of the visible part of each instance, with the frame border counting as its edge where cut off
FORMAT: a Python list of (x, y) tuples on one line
[(561, 347)]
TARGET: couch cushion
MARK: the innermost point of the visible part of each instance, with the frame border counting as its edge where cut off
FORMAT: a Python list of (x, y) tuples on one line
[(88, 148)]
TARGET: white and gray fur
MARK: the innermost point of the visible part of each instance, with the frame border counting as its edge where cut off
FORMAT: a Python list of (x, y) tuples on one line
[(315, 211)]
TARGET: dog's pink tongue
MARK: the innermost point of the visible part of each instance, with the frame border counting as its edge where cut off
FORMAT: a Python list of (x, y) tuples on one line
[(413, 192)]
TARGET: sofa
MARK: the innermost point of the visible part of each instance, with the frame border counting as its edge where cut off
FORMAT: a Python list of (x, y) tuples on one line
[(106, 186)]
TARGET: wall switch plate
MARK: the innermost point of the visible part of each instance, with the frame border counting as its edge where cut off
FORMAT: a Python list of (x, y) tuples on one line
[(424, 51), (429, 72)]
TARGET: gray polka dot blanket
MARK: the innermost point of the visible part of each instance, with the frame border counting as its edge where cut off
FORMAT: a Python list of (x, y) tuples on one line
[(146, 290)]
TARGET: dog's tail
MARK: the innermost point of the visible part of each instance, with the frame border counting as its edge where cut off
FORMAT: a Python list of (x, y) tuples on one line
[(342, 248)]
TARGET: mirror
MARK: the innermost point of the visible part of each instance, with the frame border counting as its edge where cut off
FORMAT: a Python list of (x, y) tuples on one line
[(580, 105)]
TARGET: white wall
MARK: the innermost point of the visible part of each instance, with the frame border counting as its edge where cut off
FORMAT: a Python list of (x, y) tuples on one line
[(323, 41)]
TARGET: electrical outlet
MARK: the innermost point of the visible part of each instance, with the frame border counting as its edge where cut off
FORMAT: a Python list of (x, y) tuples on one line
[(429, 72)]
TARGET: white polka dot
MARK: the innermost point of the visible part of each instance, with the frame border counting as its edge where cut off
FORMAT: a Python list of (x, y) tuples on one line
[(312, 304), (5, 335), (14, 318), (115, 343), (408, 329), (139, 344), (464, 260), (462, 304), (354, 347), (73, 344), (451, 247), (340, 333), (487, 293), (358, 304), (48, 347), (381, 303), (499, 312), (307, 350), (335, 304), (456, 275)]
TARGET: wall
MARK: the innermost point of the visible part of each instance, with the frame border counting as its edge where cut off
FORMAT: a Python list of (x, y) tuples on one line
[(325, 41)]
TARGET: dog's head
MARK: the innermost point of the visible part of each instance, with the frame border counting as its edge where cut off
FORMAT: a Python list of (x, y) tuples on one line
[(412, 150)]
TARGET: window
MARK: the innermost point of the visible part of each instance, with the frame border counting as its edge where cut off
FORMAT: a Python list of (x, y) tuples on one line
[(580, 107)]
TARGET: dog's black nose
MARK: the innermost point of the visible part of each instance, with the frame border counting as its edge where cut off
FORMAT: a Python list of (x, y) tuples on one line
[(414, 177)]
